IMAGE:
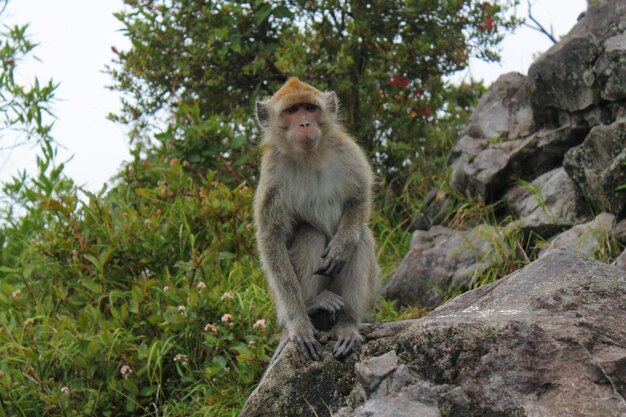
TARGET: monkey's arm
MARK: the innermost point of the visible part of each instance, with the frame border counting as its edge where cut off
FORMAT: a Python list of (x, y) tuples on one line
[(353, 222), (272, 231)]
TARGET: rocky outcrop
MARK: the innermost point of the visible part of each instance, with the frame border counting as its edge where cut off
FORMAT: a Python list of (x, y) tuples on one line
[(547, 340), (550, 149)]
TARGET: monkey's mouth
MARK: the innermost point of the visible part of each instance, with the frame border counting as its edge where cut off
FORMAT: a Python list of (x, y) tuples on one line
[(307, 142)]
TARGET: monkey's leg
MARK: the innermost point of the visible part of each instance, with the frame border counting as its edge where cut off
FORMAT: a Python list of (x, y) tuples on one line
[(357, 285), (305, 250)]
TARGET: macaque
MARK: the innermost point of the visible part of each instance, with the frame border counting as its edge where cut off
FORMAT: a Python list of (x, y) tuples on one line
[(311, 210)]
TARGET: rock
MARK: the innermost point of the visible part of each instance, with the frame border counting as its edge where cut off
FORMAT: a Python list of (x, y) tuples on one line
[(485, 175), (563, 77), (620, 261), (371, 372), (437, 205), (610, 68), (294, 386), (484, 170), (442, 260), (597, 166), (619, 231), (503, 111), (548, 205), (547, 340), (586, 238), (545, 149)]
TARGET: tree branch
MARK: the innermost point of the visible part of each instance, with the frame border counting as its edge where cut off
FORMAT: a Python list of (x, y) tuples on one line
[(539, 27)]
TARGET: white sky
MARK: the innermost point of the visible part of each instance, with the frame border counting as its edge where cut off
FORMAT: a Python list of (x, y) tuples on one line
[(76, 37)]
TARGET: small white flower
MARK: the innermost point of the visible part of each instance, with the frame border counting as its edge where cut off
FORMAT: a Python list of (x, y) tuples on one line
[(201, 285), (166, 288), (182, 309), (227, 296), (181, 358), (16, 294), (210, 328), (126, 371), (65, 390), (260, 324), (227, 317)]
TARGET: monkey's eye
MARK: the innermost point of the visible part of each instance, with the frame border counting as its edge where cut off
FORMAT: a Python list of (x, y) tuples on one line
[(310, 107), (292, 109)]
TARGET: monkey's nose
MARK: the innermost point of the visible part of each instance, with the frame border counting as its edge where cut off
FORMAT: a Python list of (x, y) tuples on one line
[(304, 122)]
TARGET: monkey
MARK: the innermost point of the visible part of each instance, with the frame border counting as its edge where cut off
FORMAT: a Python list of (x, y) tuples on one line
[(311, 212)]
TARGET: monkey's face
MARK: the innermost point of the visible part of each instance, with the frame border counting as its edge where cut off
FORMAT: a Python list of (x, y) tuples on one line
[(301, 123), (298, 116)]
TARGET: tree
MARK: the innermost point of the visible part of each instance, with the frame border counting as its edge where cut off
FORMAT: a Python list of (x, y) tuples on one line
[(196, 68)]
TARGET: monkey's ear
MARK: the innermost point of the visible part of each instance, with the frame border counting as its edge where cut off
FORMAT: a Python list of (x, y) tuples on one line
[(262, 113), (332, 103)]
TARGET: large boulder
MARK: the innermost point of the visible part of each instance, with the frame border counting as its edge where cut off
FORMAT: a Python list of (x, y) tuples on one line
[(563, 78), (548, 205), (597, 166), (547, 340), (503, 111), (442, 261)]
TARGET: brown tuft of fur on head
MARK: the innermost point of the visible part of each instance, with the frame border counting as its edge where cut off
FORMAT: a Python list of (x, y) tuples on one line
[(295, 91)]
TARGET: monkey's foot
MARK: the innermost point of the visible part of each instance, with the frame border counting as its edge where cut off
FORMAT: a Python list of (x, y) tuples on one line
[(308, 346), (347, 339), (326, 301)]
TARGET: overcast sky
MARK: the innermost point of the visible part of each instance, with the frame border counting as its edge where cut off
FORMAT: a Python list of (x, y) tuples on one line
[(76, 37)]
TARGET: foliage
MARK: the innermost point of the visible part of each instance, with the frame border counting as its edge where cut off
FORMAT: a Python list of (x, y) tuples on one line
[(142, 301), (24, 109), (25, 117), (196, 68)]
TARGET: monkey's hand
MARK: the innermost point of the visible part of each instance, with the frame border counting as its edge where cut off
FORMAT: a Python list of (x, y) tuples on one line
[(326, 301), (347, 339), (334, 260), (303, 336)]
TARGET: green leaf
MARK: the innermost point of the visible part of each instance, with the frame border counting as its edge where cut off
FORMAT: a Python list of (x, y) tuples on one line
[(91, 285), (282, 11), (238, 141), (262, 13)]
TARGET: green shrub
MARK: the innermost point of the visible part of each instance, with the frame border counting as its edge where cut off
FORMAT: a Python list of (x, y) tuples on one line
[(143, 301)]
